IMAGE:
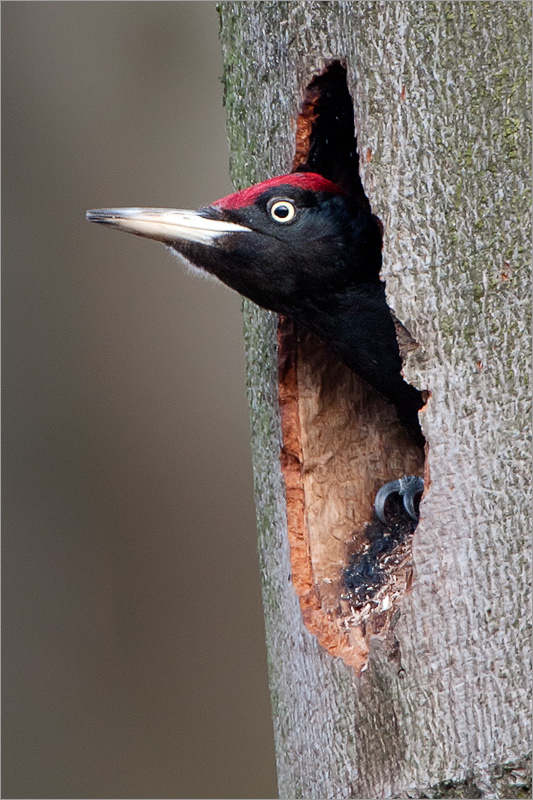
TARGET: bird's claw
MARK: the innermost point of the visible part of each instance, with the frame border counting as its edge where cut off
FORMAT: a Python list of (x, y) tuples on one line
[(409, 488)]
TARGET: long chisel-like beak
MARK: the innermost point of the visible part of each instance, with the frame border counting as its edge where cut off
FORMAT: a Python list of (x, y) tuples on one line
[(167, 225)]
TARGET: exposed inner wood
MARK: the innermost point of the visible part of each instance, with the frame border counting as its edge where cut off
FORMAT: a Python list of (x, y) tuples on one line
[(341, 442)]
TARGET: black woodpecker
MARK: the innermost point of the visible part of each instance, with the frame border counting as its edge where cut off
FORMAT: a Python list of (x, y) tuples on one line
[(299, 245)]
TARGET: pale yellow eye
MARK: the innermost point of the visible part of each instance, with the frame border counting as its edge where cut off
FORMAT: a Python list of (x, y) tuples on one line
[(282, 211)]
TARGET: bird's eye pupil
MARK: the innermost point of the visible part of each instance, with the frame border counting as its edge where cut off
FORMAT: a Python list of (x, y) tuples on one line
[(282, 210)]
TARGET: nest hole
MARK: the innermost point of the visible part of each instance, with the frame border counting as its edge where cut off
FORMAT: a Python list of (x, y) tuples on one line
[(341, 439)]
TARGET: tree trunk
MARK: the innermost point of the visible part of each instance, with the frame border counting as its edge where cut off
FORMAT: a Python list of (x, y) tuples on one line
[(429, 695)]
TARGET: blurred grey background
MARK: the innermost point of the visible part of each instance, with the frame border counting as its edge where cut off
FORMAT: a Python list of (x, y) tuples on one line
[(134, 662)]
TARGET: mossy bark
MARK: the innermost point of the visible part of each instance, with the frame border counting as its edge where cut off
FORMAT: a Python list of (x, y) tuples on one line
[(442, 104)]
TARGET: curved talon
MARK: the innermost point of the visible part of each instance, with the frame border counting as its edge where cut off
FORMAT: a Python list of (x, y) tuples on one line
[(392, 487), (408, 487), (411, 486)]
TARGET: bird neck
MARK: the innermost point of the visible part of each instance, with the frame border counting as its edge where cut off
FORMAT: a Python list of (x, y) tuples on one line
[(358, 327)]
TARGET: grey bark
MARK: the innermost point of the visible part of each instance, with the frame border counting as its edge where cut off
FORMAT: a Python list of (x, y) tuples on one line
[(442, 107)]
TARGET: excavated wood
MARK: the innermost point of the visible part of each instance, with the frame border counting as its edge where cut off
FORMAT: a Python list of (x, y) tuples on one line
[(341, 442), (442, 107)]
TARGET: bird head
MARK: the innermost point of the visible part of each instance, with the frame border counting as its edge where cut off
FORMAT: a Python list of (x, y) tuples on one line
[(284, 243)]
